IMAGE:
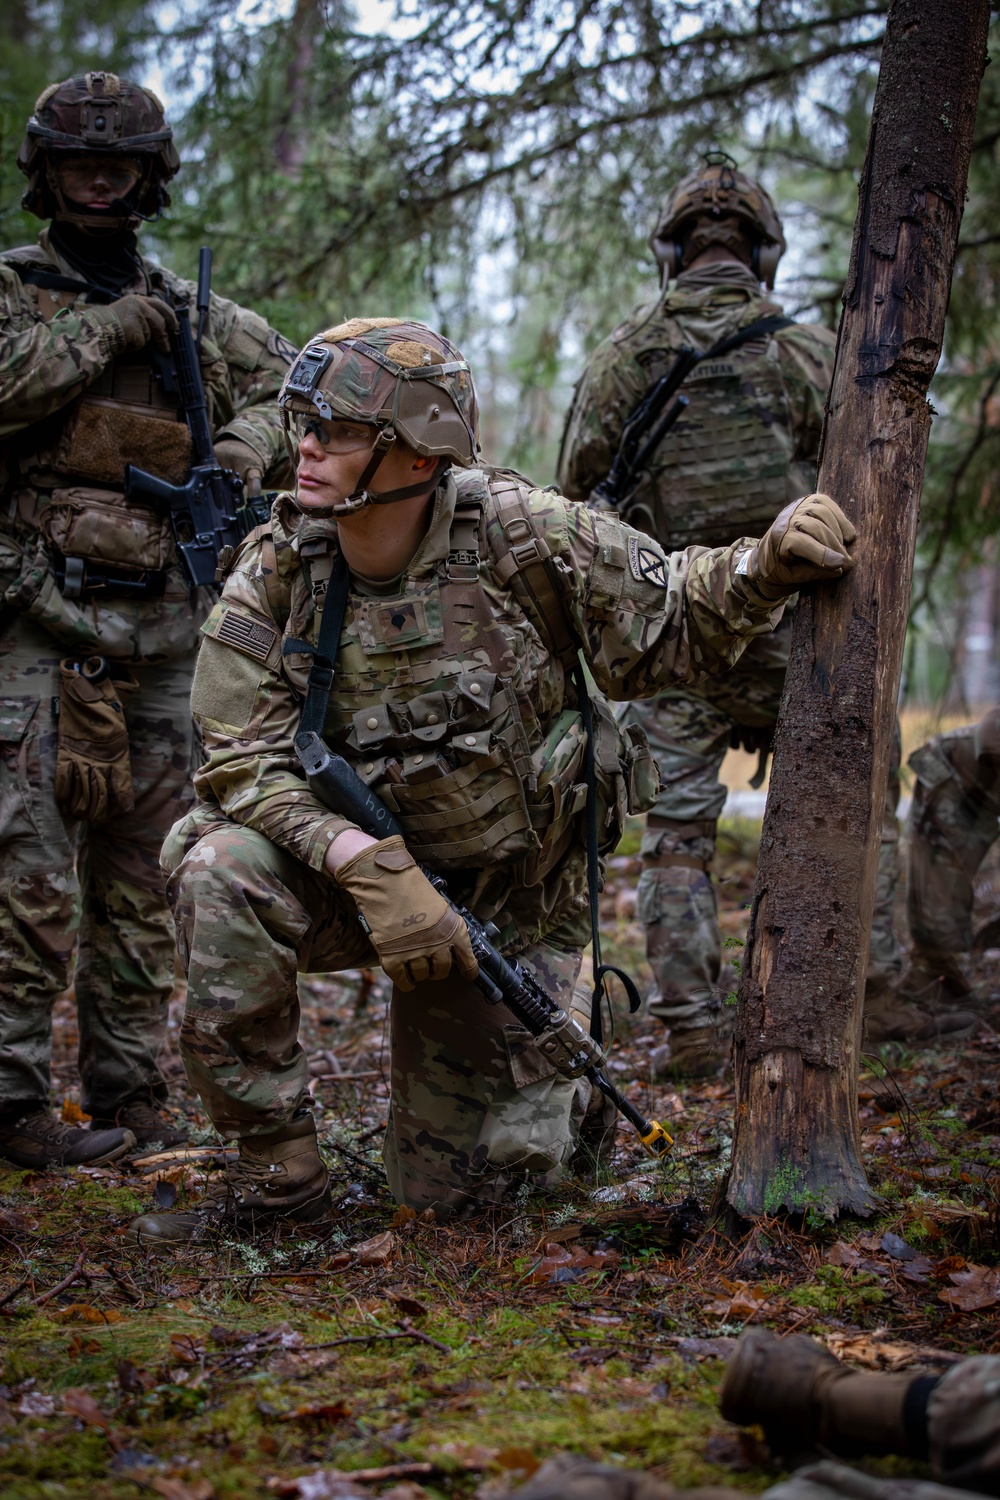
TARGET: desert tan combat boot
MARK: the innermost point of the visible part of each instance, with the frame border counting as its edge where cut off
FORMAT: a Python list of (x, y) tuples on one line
[(804, 1398), (281, 1175)]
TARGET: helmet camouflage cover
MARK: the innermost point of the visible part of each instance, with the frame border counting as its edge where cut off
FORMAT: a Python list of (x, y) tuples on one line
[(396, 375), (97, 113), (717, 205)]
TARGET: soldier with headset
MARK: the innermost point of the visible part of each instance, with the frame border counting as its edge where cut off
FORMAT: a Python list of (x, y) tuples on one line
[(98, 623)]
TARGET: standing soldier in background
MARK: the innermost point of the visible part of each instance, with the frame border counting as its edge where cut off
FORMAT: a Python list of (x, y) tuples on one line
[(951, 827), (744, 444), (98, 623)]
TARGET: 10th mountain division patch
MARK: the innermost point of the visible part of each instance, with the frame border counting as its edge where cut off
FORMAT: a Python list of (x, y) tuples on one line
[(646, 563)]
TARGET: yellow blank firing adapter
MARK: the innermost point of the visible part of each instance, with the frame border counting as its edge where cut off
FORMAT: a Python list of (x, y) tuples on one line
[(656, 1140)]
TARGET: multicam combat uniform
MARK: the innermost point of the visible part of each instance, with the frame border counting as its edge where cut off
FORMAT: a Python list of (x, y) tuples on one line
[(744, 447), (962, 1445), (449, 702), (74, 409), (951, 826)]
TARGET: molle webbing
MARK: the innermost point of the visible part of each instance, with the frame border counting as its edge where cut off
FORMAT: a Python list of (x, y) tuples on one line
[(525, 565)]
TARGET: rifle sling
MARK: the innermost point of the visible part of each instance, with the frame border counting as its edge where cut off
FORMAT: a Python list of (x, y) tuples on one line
[(761, 328)]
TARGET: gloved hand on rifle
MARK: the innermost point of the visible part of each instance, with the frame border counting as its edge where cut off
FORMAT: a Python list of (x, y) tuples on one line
[(140, 320), (807, 542), (232, 453), (415, 932)]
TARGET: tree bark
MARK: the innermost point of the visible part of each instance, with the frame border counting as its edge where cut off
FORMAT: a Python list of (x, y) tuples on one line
[(798, 1031)]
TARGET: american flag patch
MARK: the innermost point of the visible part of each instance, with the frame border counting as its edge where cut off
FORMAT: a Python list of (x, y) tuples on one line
[(254, 637)]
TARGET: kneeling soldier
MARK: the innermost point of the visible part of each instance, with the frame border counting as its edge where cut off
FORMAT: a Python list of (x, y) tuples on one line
[(424, 610)]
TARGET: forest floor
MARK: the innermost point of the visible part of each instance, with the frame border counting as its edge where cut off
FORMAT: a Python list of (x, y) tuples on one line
[(449, 1360)]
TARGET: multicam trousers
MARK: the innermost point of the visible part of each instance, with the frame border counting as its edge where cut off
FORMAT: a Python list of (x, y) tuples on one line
[(690, 731), (474, 1105), (66, 887), (951, 826)]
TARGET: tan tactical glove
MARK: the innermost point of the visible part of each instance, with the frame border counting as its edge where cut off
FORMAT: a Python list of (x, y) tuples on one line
[(233, 454), (93, 770), (143, 320), (808, 541), (414, 931)]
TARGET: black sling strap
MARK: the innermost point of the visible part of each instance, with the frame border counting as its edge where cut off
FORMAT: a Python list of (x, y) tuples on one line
[(324, 653)]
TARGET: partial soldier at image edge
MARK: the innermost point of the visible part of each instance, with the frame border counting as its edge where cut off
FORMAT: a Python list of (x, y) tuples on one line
[(99, 623)]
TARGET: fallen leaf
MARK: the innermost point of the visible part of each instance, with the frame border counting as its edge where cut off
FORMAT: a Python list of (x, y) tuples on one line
[(403, 1215), (517, 1461), (36, 1404), (376, 1251), (842, 1255), (891, 1244), (81, 1404), (131, 1379), (164, 1192), (408, 1305), (72, 1114), (744, 1301), (318, 1411), (228, 1338), (562, 1265), (975, 1289), (186, 1348), (82, 1312), (78, 1346), (181, 1489)]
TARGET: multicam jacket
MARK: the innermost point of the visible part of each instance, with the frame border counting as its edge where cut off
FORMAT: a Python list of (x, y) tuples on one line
[(75, 408), (449, 698), (748, 441)]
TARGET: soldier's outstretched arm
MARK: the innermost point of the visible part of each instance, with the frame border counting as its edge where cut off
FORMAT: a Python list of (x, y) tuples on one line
[(44, 365), (651, 619)]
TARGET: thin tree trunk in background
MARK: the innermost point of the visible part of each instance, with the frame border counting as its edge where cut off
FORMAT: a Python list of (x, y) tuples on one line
[(796, 1055), (290, 141)]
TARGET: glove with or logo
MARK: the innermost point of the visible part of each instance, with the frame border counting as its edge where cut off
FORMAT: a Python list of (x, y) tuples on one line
[(232, 453), (93, 769), (142, 320), (415, 932), (807, 542)]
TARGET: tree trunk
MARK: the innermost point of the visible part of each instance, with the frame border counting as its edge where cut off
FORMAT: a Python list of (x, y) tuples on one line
[(797, 1142)]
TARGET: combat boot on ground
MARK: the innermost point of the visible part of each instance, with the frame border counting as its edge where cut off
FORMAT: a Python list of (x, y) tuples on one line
[(146, 1122), (888, 1018), (699, 1053), (804, 1398), (277, 1176), (38, 1140)]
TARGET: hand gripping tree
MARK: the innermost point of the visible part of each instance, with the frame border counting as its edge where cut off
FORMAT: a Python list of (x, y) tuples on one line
[(798, 1027)]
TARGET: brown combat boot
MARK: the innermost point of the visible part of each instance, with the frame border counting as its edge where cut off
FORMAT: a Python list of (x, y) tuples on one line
[(890, 1019), (37, 1139), (699, 1053), (804, 1398), (276, 1176), (146, 1123)]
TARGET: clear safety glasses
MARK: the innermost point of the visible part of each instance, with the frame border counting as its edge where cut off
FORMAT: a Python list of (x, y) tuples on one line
[(332, 434)]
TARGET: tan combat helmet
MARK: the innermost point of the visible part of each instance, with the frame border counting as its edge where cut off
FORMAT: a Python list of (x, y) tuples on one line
[(718, 205), (98, 114), (401, 380)]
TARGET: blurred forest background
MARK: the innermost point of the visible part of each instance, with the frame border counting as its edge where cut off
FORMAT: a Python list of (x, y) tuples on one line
[(496, 167)]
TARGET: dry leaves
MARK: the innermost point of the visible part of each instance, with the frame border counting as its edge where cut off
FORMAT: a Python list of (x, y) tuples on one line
[(82, 1312), (560, 1264), (974, 1289), (882, 1354), (181, 1489), (743, 1301)]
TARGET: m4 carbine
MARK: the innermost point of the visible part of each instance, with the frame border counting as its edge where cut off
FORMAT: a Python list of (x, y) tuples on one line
[(559, 1036), (208, 512)]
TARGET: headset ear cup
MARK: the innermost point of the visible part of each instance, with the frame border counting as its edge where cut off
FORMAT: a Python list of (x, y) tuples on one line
[(767, 262)]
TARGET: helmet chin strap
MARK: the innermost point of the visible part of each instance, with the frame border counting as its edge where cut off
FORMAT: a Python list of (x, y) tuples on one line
[(362, 496)]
